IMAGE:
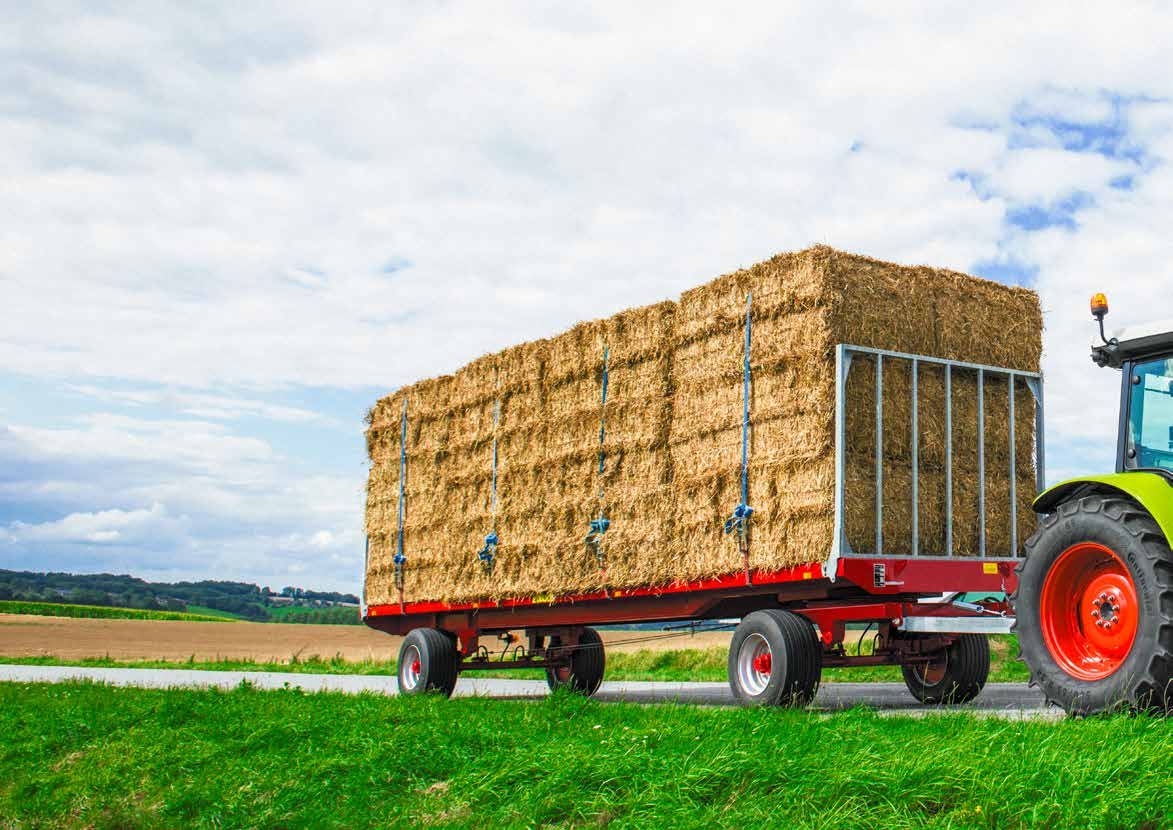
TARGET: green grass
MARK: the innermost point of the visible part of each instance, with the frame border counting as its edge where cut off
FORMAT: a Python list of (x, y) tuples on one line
[(61, 609), (205, 611), (295, 664), (80, 755), (673, 666)]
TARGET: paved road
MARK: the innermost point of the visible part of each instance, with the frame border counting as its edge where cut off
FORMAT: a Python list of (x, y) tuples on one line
[(1011, 700)]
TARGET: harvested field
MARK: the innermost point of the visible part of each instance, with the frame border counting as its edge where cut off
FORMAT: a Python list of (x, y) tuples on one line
[(671, 469), (66, 638)]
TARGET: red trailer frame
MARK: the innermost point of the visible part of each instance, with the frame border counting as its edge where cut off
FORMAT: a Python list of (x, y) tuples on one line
[(886, 591)]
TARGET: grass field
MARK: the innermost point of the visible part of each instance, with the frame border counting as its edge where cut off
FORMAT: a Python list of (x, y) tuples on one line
[(671, 665), (80, 755), (102, 612), (204, 611)]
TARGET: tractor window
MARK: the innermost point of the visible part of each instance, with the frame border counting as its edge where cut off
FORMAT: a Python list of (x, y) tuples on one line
[(1150, 415)]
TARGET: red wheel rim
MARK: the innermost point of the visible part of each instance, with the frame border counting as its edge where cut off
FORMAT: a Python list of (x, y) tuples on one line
[(1089, 611), (764, 663)]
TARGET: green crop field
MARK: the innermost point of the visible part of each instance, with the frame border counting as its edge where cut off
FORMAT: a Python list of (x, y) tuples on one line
[(60, 609), (205, 611), (81, 755), (673, 666)]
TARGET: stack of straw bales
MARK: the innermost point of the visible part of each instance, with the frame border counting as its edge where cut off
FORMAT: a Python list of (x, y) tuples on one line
[(673, 434)]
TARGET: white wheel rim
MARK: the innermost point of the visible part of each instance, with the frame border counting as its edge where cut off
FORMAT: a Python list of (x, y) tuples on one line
[(752, 649), (409, 670)]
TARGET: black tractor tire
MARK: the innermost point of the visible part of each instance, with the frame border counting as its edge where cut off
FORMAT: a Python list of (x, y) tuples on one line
[(794, 659), (588, 662), (956, 676), (428, 662), (1143, 679)]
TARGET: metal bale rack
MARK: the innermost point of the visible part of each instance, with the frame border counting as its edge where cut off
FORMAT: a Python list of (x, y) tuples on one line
[(843, 362)]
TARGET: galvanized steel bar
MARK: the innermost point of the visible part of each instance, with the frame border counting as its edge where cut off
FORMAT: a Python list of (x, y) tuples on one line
[(915, 459), (981, 404), (1013, 471), (941, 361), (839, 543), (1040, 444), (879, 454), (948, 460)]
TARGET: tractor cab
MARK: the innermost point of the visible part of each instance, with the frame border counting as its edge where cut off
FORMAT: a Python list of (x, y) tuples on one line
[(1144, 355)]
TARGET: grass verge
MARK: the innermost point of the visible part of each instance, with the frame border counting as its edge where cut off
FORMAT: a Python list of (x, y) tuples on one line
[(679, 665), (100, 612), (81, 755)]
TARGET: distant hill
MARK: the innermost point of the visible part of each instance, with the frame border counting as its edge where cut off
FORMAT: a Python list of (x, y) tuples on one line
[(243, 600)]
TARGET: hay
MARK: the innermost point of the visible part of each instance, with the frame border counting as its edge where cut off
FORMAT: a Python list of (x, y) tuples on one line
[(673, 440)]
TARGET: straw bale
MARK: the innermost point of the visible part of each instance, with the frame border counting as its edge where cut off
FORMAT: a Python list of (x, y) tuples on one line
[(672, 471), (546, 520)]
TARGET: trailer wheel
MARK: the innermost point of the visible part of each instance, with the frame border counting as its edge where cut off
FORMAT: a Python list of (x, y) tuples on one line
[(588, 662), (1094, 608), (427, 663), (775, 659), (955, 675)]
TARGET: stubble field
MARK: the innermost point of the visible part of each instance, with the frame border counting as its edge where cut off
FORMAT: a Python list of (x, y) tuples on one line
[(175, 641)]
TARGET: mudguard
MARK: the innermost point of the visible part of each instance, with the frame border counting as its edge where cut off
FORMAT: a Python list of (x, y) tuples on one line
[(1152, 491)]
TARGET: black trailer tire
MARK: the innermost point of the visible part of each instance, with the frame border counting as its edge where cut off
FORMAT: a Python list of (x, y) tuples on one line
[(1134, 674), (775, 659), (588, 663), (428, 662), (956, 676)]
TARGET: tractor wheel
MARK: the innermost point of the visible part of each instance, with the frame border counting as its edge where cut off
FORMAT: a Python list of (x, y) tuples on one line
[(584, 674), (427, 662), (775, 659), (955, 675), (1094, 608)]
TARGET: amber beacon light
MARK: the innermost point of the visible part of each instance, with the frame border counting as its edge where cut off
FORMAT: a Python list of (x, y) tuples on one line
[(1099, 305)]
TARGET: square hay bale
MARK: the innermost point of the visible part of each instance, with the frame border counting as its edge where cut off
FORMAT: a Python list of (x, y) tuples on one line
[(672, 446), (425, 487), (544, 526), (804, 304)]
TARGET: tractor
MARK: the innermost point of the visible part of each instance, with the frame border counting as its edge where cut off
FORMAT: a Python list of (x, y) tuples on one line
[(1094, 599)]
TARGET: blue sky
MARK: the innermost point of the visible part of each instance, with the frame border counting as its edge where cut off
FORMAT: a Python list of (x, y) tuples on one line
[(228, 231)]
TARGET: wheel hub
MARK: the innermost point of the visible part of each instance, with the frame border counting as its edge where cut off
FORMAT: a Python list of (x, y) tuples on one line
[(1089, 611), (763, 663), (410, 671), (755, 664)]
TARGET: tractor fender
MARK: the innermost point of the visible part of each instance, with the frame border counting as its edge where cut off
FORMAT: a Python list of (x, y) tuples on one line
[(1151, 491)]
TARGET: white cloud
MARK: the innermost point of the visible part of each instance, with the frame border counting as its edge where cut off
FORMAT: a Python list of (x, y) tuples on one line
[(179, 499), (222, 216), (1033, 175), (198, 404), (106, 526)]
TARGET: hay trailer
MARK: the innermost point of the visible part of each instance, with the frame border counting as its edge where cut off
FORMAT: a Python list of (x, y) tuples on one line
[(793, 621)]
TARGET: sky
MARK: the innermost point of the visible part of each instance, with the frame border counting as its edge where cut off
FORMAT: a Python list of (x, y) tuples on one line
[(226, 230)]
